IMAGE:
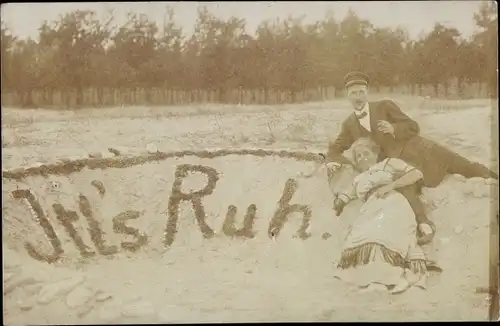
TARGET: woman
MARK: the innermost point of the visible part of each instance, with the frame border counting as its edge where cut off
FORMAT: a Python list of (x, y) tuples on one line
[(381, 248)]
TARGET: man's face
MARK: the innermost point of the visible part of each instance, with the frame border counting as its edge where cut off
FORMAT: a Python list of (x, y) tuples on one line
[(357, 96)]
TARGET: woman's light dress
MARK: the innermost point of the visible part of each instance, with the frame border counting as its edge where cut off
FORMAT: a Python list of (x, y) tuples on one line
[(381, 246)]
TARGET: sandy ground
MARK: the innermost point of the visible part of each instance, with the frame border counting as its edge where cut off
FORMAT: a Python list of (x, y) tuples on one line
[(222, 279)]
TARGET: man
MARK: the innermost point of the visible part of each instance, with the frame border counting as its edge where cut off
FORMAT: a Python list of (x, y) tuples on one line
[(398, 136)]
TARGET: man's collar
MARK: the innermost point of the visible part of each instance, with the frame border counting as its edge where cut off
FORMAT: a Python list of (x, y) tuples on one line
[(364, 111)]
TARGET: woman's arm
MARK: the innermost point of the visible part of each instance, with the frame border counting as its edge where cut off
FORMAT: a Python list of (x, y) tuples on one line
[(340, 201), (407, 175), (342, 198), (410, 177), (346, 198)]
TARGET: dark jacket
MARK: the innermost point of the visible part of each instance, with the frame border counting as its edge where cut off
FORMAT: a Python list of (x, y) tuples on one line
[(406, 144)]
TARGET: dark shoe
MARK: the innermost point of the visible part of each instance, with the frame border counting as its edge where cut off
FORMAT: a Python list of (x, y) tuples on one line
[(432, 266), (423, 238)]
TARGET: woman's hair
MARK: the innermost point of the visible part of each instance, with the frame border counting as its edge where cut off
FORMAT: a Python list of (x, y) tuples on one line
[(364, 142)]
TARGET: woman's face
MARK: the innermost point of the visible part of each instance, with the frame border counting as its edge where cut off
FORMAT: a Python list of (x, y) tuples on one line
[(365, 158)]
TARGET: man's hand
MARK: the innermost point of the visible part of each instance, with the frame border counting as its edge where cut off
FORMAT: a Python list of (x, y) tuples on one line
[(332, 165), (385, 127), (332, 168), (382, 192)]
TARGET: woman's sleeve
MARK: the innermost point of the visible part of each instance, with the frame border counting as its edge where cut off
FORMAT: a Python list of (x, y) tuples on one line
[(400, 167), (349, 193)]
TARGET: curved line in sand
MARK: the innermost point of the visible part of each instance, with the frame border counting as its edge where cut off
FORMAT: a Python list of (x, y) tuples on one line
[(66, 167)]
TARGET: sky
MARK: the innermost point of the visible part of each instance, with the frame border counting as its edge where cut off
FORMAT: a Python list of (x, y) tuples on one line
[(416, 16)]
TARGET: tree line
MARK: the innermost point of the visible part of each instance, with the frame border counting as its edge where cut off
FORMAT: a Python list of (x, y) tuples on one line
[(86, 60)]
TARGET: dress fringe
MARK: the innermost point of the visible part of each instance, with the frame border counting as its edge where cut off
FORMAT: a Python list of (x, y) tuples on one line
[(362, 255)]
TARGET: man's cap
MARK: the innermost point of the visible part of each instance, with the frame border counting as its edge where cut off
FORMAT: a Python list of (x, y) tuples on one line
[(356, 78)]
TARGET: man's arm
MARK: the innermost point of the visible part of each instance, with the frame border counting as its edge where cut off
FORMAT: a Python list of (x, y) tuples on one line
[(338, 146), (404, 126)]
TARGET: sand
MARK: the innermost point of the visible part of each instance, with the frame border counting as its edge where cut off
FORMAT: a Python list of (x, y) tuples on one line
[(211, 276)]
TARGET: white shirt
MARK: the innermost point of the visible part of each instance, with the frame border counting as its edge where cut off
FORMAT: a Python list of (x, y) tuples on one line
[(365, 121)]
